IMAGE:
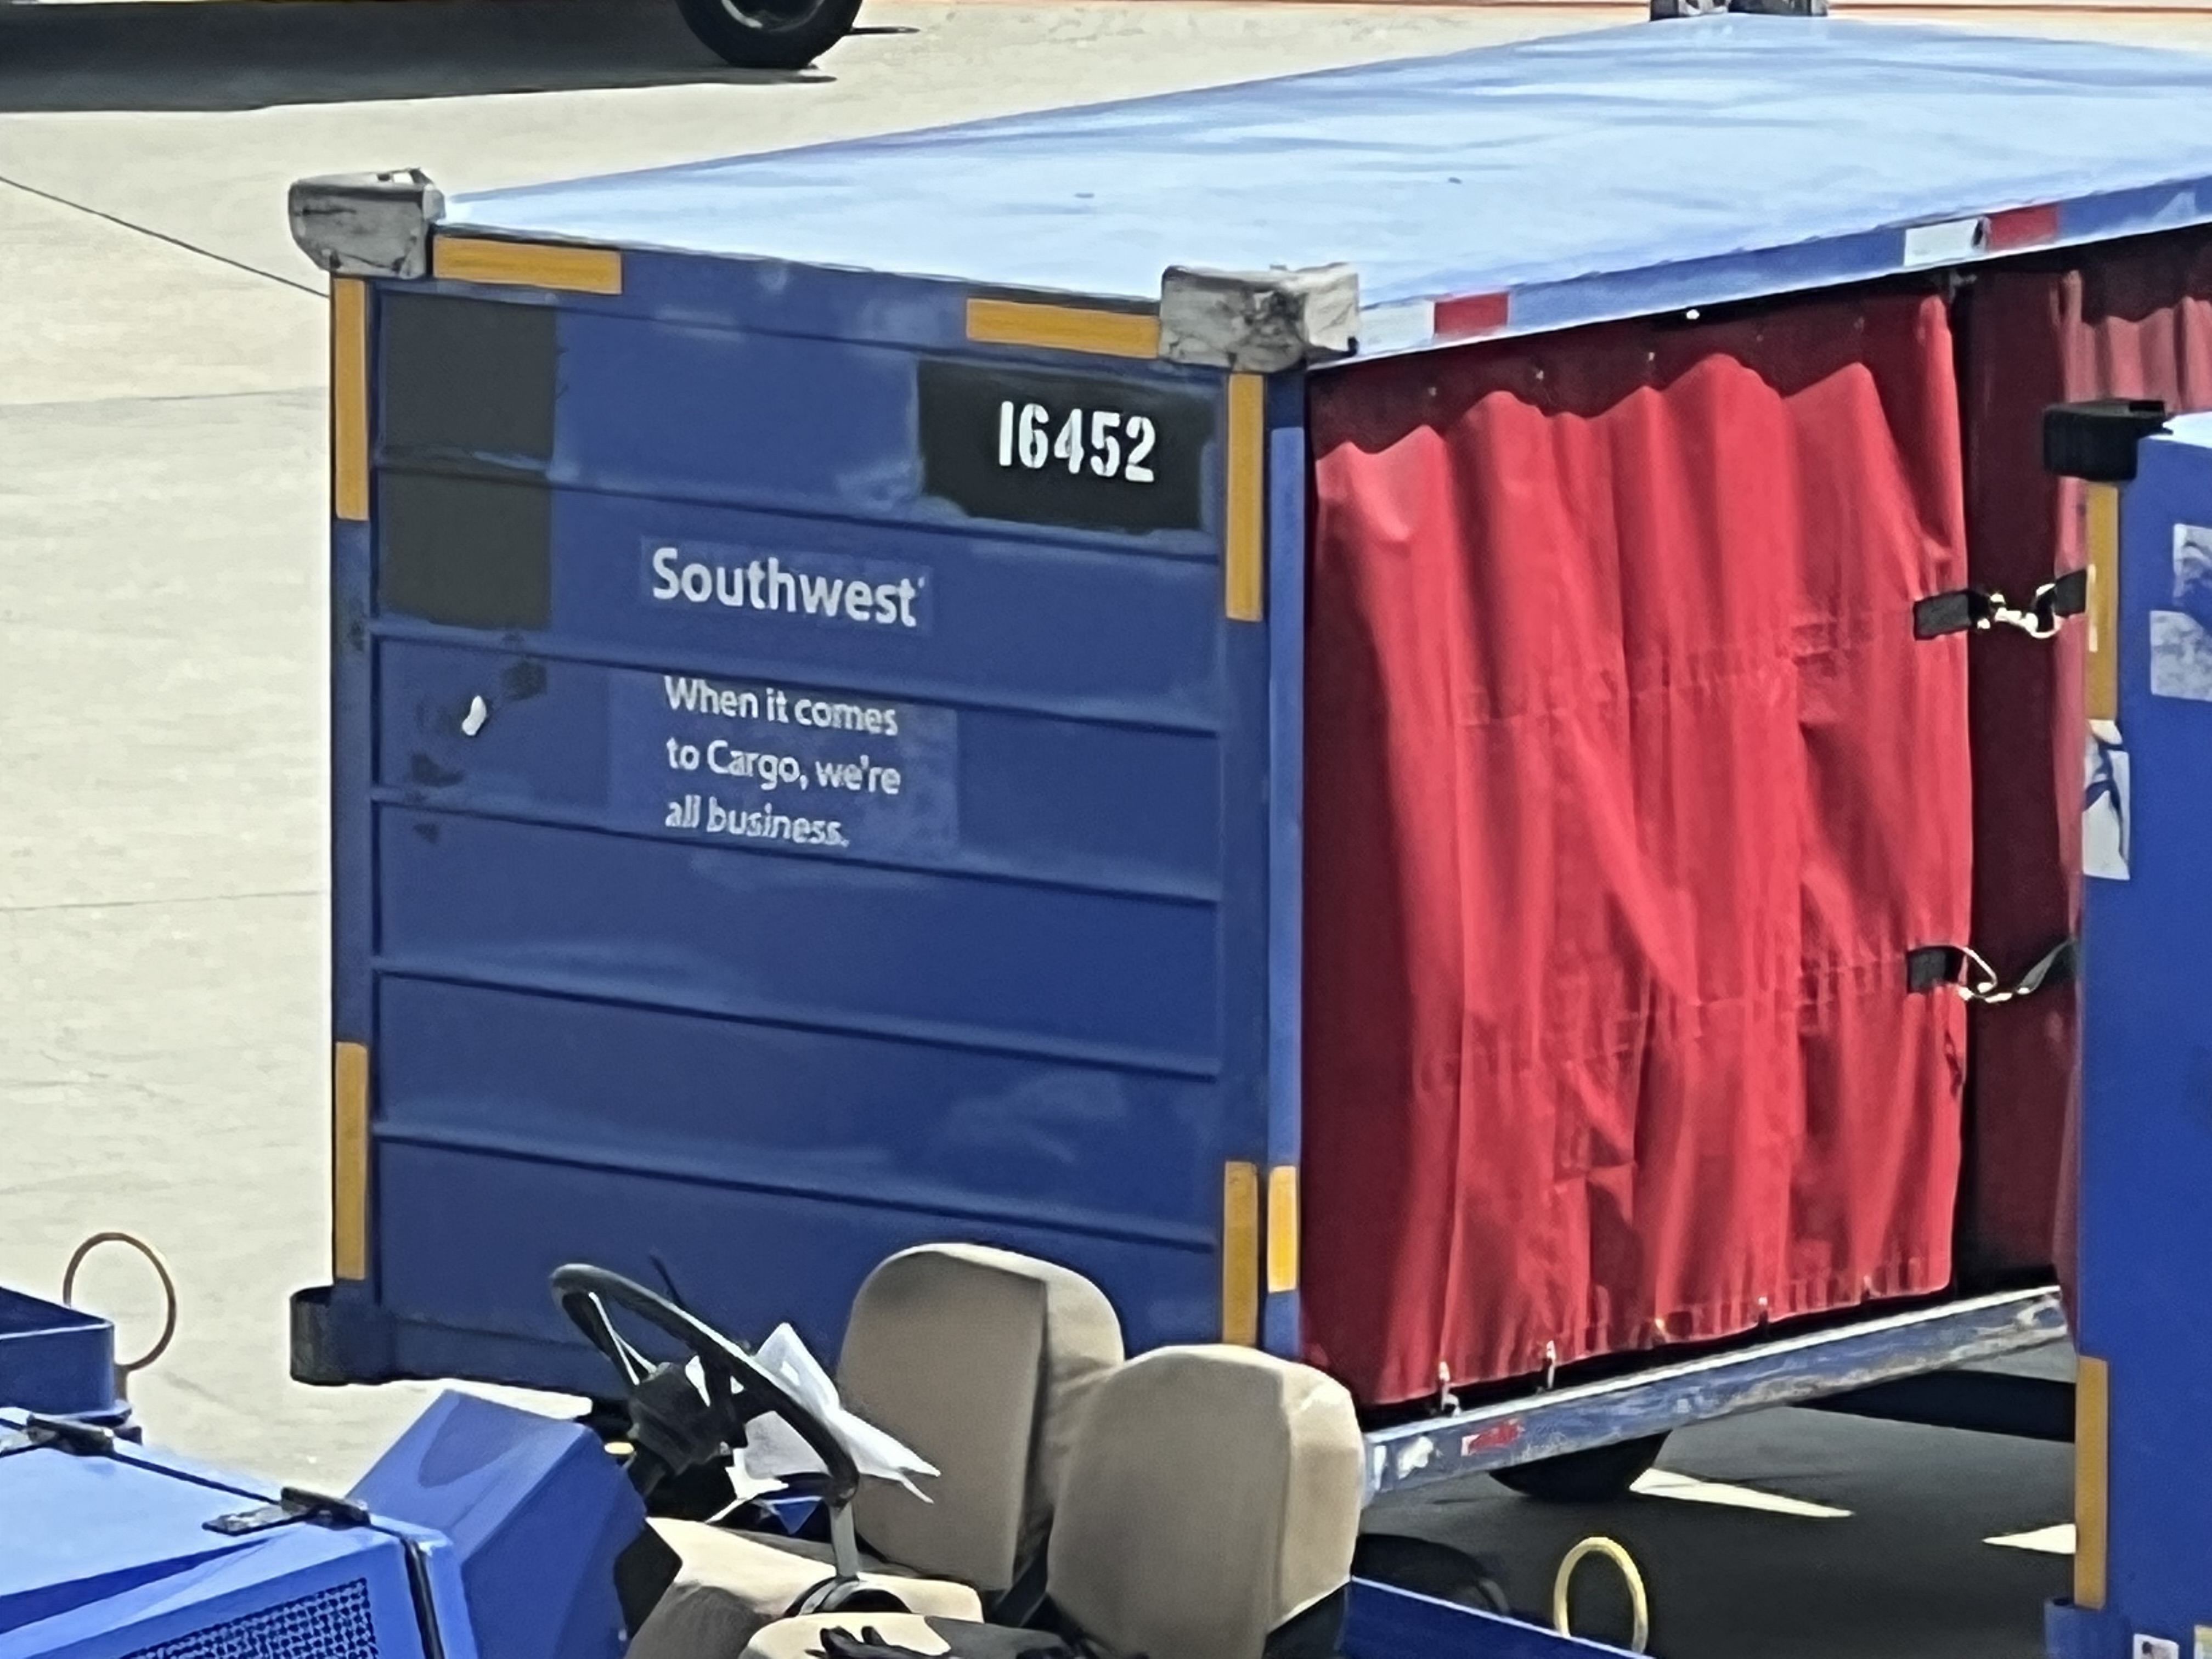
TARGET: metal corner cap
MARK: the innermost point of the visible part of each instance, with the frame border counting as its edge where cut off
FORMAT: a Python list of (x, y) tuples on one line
[(368, 224), (1257, 322)]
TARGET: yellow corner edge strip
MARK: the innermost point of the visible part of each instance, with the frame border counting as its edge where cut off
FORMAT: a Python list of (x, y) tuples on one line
[(349, 1161), (1244, 523), (1282, 1229), (2101, 543), (348, 399), (1240, 1252), (2092, 1384), (527, 264), (1063, 328)]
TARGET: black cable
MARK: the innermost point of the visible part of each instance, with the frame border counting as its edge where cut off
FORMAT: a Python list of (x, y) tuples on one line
[(160, 236)]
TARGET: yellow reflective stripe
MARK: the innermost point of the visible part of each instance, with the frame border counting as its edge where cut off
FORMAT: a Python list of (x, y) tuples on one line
[(2092, 1475), (1245, 560), (528, 265), (2101, 537), (1282, 1229), (1240, 1252), (349, 1161), (348, 399), (1064, 328)]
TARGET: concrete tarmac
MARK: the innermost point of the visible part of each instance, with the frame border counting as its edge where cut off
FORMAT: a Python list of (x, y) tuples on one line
[(163, 1034)]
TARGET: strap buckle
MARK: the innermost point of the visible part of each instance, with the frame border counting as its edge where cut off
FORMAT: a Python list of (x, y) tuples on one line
[(68, 1434), (293, 1504), (1977, 609), (1967, 972)]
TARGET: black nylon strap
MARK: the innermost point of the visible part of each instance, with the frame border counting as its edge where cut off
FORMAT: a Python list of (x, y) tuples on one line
[(62, 1434), (2056, 968), (2070, 593), (1966, 608), (1930, 967), (1949, 613)]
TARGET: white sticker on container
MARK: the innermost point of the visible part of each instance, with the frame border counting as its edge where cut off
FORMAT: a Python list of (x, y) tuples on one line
[(2106, 804), (1946, 243), (2180, 657), (1397, 328), (2181, 638)]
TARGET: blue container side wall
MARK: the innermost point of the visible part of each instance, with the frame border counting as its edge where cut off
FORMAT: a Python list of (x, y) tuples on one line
[(2146, 1139), (1045, 1015), (1280, 1331)]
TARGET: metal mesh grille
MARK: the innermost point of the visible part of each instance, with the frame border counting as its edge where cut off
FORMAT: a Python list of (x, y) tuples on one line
[(331, 1624)]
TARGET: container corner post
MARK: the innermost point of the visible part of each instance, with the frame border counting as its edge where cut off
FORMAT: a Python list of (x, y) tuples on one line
[(1257, 322), (366, 224)]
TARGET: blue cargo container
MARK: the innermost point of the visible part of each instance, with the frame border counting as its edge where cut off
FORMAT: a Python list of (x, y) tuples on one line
[(817, 657)]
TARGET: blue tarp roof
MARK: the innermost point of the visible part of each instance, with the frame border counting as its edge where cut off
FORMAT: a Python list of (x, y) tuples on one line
[(1668, 157)]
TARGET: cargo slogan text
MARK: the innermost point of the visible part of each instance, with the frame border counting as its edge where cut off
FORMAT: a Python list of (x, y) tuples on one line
[(783, 767)]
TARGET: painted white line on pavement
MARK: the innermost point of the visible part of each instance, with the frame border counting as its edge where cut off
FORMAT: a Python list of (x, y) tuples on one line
[(1665, 1483), (2048, 1541)]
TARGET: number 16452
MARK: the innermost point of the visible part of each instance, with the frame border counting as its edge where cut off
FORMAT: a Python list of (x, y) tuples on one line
[(1113, 445)]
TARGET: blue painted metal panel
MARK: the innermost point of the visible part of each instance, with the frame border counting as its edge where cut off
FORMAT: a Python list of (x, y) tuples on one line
[(771, 296), (524, 1515), (105, 1557), (1135, 809), (2072, 1632), (74, 1528), (965, 1136), (838, 439), (812, 868), (999, 619), (352, 755), (54, 1360), (1524, 167), (1385, 1622), (1047, 971), (482, 1230), (2146, 1138), (1285, 783)]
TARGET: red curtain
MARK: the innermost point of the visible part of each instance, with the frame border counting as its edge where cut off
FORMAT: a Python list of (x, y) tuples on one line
[(2131, 319), (1628, 790)]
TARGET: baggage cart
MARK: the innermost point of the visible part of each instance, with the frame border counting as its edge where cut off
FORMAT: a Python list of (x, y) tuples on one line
[(864, 712)]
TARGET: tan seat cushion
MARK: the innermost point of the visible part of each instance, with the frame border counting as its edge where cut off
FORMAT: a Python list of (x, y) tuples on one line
[(801, 1638), (1213, 1495), (732, 1584), (981, 1360)]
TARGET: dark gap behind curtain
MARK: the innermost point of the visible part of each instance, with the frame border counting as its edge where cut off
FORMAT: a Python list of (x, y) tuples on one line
[(1628, 788), (2127, 320)]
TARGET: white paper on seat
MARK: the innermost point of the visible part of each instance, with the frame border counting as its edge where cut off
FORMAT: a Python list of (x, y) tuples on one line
[(774, 1449)]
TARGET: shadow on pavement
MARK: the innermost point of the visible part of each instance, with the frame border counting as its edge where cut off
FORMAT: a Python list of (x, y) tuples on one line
[(249, 54)]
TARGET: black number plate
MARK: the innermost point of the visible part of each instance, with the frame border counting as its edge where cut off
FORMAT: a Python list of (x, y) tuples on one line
[(1076, 450)]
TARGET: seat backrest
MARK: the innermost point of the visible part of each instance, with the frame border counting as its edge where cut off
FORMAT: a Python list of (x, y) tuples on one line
[(981, 1360), (1214, 1497)]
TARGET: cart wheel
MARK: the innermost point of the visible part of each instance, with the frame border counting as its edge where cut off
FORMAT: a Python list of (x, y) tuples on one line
[(1594, 1476), (769, 34), (1427, 1568)]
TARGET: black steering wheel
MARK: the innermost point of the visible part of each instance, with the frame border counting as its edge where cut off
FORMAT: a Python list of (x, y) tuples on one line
[(672, 1428)]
